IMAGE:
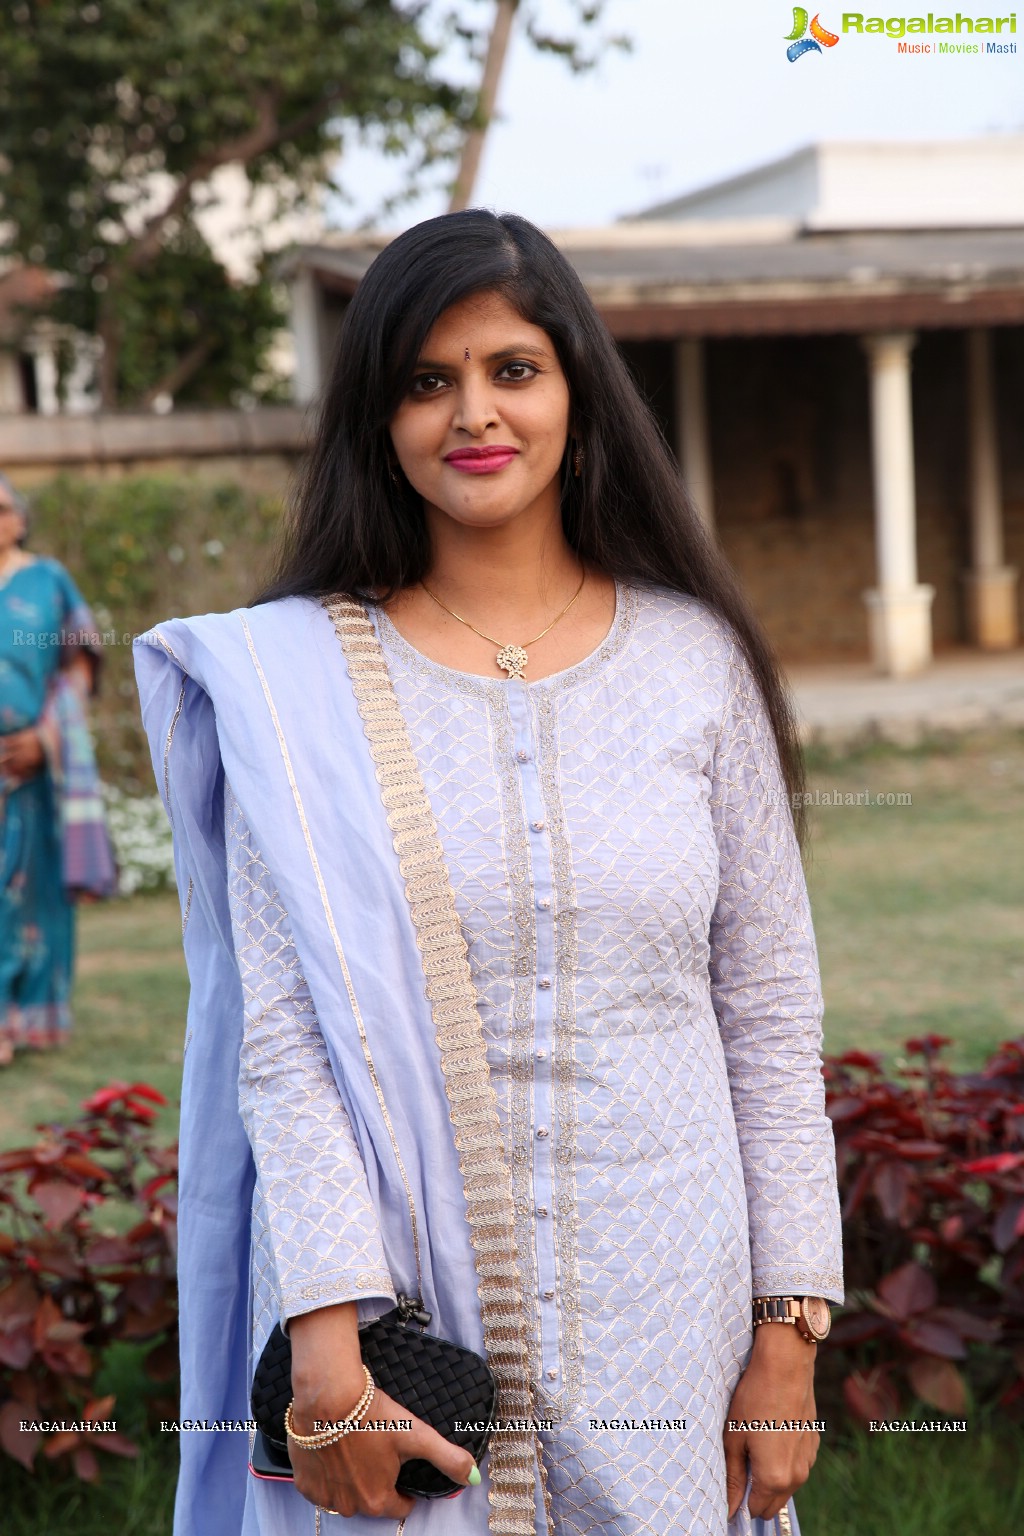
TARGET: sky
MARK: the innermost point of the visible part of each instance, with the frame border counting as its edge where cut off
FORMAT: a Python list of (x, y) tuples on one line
[(706, 91)]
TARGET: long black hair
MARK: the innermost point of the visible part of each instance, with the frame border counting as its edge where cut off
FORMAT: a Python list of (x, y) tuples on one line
[(357, 526)]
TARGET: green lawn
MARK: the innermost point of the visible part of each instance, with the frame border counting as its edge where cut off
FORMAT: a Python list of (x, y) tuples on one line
[(919, 908), (919, 913), (131, 993)]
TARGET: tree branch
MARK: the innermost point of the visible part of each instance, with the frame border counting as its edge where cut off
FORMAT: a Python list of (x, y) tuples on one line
[(184, 369), (472, 149), (265, 135)]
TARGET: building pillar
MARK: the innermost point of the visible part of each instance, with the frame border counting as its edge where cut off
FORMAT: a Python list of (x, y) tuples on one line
[(991, 586), (692, 425), (307, 332), (43, 346), (899, 607)]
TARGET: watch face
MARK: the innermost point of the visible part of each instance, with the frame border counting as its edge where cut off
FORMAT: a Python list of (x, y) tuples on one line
[(817, 1315)]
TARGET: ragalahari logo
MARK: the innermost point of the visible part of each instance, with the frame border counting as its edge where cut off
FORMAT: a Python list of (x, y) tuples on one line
[(799, 44)]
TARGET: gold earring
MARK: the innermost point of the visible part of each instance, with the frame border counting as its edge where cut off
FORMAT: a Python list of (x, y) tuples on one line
[(577, 461)]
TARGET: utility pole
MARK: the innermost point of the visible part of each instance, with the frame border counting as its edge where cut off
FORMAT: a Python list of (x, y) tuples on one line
[(472, 149)]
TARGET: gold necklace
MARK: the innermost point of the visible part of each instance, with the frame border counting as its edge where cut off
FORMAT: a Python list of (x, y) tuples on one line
[(511, 658)]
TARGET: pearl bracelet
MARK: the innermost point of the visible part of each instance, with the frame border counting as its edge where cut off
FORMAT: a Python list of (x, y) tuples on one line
[(342, 1427)]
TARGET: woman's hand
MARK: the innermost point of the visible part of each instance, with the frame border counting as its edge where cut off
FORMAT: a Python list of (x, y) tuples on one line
[(777, 1384), (357, 1474), (21, 753)]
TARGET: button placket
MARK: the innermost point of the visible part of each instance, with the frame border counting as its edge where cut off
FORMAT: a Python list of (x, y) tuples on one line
[(542, 1140)]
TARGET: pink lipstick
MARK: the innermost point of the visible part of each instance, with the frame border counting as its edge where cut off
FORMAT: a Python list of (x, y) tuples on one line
[(481, 461)]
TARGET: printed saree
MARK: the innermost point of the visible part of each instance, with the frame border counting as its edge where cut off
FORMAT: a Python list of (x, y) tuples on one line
[(53, 838)]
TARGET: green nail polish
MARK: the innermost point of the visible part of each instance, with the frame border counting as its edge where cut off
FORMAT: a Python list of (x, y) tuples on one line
[(474, 1477)]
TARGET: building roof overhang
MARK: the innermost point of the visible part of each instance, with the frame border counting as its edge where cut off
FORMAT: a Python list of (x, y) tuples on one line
[(766, 277)]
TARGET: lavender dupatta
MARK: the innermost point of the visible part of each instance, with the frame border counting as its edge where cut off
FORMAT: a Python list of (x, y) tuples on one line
[(263, 696)]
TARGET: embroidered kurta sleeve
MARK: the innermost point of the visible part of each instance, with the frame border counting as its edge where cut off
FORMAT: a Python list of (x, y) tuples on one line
[(323, 1231), (767, 997)]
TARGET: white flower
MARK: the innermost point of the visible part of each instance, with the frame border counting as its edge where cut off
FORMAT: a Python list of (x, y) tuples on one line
[(141, 835)]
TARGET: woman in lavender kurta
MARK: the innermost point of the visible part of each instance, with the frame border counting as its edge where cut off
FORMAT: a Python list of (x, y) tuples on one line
[(627, 880)]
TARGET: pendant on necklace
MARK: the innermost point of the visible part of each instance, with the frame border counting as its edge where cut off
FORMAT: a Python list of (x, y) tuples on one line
[(512, 658)]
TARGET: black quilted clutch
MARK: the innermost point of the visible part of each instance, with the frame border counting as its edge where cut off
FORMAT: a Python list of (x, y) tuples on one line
[(437, 1381)]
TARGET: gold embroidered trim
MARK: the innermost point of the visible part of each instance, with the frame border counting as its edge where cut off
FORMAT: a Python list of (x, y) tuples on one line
[(167, 749), (339, 951), (376, 1281), (188, 906), (566, 1069), (514, 1457)]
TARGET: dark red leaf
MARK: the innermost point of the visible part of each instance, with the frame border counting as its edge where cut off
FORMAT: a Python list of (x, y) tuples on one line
[(871, 1394), (115, 1442), (18, 1303), (854, 1196), (921, 1151), (140, 1111), (907, 1290), (161, 1364), (51, 1326), (105, 1251), (57, 1199), (982, 1330), (69, 1358), (85, 1167), (998, 1162), (104, 1097), (145, 1325), (846, 1108), (934, 1339), (53, 1256), (18, 1443), (147, 1091), (868, 1061), (1008, 1225), (856, 1327), (16, 1348), (939, 1383), (926, 1045), (149, 1189), (891, 1185), (86, 1465), (60, 1443)]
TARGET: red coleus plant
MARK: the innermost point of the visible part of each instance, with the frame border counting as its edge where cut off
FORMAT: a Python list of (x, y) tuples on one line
[(72, 1282), (931, 1174)]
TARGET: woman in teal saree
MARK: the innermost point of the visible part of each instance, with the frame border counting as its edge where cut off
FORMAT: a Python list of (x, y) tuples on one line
[(53, 842)]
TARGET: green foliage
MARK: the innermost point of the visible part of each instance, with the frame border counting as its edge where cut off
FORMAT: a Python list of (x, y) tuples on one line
[(115, 113), (144, 549), (188, 331)]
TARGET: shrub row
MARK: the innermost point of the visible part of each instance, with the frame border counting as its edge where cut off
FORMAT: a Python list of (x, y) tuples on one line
[(142, 549), (931, 1173)]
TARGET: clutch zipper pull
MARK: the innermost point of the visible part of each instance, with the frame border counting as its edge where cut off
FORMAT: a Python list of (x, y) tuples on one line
[(412, 1310)]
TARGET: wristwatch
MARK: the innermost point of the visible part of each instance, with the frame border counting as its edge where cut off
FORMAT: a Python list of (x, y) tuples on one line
[(810, 1314)]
